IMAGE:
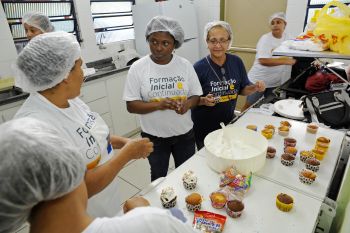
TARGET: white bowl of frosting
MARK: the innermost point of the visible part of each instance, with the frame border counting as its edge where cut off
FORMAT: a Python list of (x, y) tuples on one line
[(234, 146)]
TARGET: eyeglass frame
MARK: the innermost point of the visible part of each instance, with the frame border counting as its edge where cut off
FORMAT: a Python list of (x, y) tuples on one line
[(216, 42)]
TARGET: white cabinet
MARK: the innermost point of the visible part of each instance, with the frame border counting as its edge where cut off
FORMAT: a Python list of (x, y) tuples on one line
[(124, 122)]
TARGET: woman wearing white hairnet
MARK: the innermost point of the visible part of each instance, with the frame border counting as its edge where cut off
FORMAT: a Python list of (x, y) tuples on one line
[(36, 23), (223, 78), (42, 181), (49, 68), (162, 87), (270, 69)]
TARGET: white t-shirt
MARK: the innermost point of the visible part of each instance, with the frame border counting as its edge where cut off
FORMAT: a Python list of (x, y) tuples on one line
[(148, 81), (87, 131), (142, 219), (273, 76)]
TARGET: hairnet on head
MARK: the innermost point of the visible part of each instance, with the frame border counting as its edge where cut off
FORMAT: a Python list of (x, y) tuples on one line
[(36, 165), (221, 24), (278, 15), (46, 61), (166, 24), (38, 20)]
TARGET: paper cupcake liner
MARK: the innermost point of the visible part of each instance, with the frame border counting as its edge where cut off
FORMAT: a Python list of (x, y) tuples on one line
[(193, 208), (283, 133), (287, 163), (234, 214), (319, 156), (305, 180), (282, 206), (312, 131), (189, 186), (170, 204), (270, 155), (312, 167), (304, 158)]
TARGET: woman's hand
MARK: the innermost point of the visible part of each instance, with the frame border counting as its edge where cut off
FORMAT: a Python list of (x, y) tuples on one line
[(182, 106), (207, 100), (168, 104), (138, 148), (135, 202), (260, 86)]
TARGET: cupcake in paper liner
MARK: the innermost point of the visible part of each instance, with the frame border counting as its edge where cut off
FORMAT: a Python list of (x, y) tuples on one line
[(168, 197), (305, 154), (287, 159), (312, 164), (318, 154), (284, 202), (234, 208), (194, 202), (267, 133), (312, 128), (189, 180), (290, 142), (270, 127), (307, 176), (252, 127), (285, 123), (271, 152), (323, 142), (291, 150), (283, 131), (218, 199)]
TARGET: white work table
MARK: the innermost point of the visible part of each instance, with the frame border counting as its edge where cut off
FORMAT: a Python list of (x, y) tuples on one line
[(260, 213), (289, 176)]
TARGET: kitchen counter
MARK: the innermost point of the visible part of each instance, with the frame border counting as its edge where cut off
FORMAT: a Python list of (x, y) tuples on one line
[(260, 213)]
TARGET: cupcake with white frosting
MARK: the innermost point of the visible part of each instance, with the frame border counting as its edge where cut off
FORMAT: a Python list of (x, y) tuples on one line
[(168, 197), (189, 180)]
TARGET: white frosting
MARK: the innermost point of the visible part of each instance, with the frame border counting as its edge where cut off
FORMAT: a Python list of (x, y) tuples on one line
[(227, 148), (189, 177), (167, 194)]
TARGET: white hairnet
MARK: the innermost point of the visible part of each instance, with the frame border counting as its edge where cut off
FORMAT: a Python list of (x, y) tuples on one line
[(36, 165), (38, 20), (221, 24), (46, 61), (277, 15), (166, 24)]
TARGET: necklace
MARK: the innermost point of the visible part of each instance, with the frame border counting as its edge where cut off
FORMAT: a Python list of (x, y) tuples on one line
[(217, 76)]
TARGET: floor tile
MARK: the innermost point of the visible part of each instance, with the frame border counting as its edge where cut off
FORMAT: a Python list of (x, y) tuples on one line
[(137, 173)]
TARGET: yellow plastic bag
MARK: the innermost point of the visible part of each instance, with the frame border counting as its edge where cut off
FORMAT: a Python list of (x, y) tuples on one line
[(335, 29)]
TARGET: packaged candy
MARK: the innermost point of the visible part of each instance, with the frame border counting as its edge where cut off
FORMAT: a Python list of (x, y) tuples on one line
[(232, 178), (208, 222)]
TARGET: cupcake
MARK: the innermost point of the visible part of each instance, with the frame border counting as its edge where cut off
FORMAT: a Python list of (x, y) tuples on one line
[(283, 131), (168, 197), (189, 180), (323, 142), (252, 127), (290, 142), (304, 155), (307, 176), (284, 202), (285, 123), (271, 152), (218, 200), (318, 154), (312, 164), (270, 127), (312, 128), (193, 202), (234, 208), (290, 150), (287, 159), (267, 133)]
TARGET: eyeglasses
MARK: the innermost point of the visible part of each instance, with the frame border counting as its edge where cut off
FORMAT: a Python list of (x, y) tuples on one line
[(221, 42)]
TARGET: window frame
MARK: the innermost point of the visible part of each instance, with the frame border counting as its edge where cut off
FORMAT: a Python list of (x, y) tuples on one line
[(314, 6), (100, 15), (71, 16)]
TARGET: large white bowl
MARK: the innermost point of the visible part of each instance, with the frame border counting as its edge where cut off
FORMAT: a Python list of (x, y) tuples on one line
[(245, 163)]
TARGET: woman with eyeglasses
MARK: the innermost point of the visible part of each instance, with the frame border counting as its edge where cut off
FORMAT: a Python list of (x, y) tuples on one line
[(49, 68), (162, 87), (270, 69), (223, 77)]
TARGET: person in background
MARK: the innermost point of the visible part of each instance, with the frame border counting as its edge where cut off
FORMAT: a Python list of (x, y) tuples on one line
[(270, 69), (42, 181), (49, 68), (162, 87), (36, 23), (223, 78)]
